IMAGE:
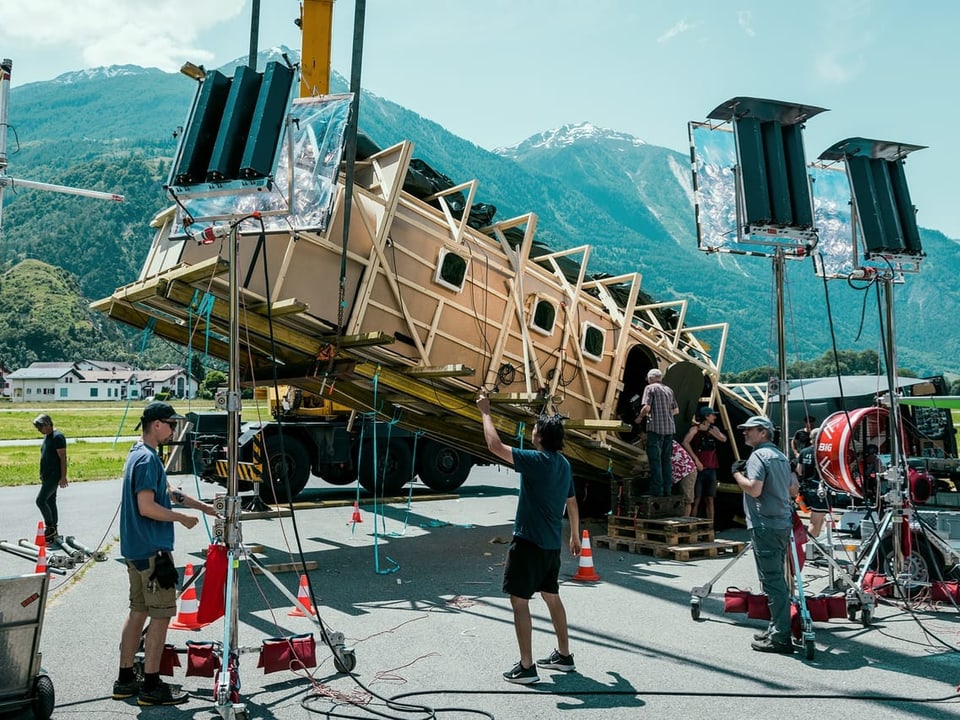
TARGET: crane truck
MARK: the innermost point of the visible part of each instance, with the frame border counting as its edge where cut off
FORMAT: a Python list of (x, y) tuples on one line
[(308, 434)]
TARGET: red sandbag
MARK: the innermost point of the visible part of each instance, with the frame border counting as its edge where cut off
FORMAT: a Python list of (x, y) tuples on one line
[(212, 595), (735, 600)]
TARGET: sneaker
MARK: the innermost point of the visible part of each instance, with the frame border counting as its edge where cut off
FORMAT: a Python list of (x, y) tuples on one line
[(162, 694), (762, 635), (769, 645), (556, 661), (124, 690), (521, 675)]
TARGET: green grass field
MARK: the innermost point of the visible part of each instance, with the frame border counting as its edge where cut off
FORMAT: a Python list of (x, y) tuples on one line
[(20, 465), (79, 420)]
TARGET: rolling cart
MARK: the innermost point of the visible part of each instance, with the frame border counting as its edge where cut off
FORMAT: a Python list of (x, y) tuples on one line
[(23, 682), (699, 593)]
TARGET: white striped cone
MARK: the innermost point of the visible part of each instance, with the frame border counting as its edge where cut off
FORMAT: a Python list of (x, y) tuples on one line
[(303, 600), (41, 560), (186, 618), (41, 539), (585, 572)]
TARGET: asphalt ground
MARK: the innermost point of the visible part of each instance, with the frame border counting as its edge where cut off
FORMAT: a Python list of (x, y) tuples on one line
[(416, 592)]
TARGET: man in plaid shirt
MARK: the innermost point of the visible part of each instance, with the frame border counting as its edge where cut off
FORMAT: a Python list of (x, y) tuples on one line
[(659, 405)]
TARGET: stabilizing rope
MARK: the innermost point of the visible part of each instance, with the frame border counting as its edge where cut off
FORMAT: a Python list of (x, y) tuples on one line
[(376, 473)]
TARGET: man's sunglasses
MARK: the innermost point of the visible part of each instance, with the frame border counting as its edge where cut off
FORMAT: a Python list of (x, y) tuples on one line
[(172, 424)]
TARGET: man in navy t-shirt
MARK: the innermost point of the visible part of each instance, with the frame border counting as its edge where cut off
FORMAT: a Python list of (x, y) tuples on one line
[(146, 543), (53, 473), (533, 559)]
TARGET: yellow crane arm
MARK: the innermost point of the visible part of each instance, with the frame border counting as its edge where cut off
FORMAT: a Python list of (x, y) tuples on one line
[(316, 26)]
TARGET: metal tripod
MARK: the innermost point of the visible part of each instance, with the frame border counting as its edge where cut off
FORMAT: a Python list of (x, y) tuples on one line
[(226, 692)]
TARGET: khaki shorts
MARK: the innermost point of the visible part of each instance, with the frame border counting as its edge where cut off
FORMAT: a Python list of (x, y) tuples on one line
[(147, 596), (686, 485)]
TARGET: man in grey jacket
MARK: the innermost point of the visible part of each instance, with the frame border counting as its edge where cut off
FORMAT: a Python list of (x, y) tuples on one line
[(768, 488)]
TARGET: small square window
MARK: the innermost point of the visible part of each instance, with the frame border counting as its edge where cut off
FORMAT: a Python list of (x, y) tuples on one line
[(544, 317), (451, 270), (591, 342)]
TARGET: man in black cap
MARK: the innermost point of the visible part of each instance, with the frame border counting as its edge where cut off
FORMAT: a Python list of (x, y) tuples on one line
[(146, 543), (53, 473), (768, 489)]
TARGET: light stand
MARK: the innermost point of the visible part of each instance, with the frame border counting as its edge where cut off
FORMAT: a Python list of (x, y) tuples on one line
[(226, 693), (247, 176), (884, 219)]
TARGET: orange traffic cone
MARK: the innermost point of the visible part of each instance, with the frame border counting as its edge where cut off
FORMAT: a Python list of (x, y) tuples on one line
[(186, 618), (41, 560), (41, 539), (303, 600), (356, 513), (585, 572)]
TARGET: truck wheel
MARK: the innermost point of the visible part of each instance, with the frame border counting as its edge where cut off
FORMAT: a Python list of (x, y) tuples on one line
[(337, 473), (441, 467), (297, 461), (394, 468)]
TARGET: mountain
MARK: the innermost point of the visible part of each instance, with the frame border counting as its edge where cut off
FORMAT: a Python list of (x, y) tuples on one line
[(43, 308), (113, 129)]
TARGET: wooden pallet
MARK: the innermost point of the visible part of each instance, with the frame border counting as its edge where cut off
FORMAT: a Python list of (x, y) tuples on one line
[(667, 531), (622, 527), (681, 553)]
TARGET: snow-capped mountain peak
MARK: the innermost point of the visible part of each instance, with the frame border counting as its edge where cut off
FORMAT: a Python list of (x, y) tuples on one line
[(100, 73), (566, 135)]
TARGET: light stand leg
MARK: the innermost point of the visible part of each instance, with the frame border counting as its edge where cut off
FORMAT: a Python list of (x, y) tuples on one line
[(227, 690), (895, 471), (784, 389)]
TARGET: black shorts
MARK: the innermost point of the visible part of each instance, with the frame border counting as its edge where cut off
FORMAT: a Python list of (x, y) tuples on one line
[(530, 569), (813, 501), (706, 483)]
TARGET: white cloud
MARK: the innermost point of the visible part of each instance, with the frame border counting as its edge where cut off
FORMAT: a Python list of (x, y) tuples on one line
[(681, 27), (745, 21), (152, 33), (836, 70)]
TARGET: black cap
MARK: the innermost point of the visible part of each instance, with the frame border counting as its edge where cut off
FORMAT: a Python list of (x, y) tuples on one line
[(158, 410)]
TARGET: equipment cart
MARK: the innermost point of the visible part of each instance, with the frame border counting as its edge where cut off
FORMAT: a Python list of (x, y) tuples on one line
[(23, 683), (806, 641)]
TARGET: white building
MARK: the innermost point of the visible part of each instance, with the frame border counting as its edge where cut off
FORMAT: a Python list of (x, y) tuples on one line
[(93, 381), (43, 382)]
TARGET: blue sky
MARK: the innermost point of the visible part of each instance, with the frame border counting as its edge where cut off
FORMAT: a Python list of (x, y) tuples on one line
[(498, 71)]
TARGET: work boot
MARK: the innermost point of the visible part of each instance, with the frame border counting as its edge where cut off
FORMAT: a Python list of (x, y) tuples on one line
[(162, 694), (50, 534), (769, 645)]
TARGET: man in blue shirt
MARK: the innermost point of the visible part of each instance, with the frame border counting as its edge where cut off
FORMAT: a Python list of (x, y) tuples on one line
[(768, 488), (533, 559), (146, 543)]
